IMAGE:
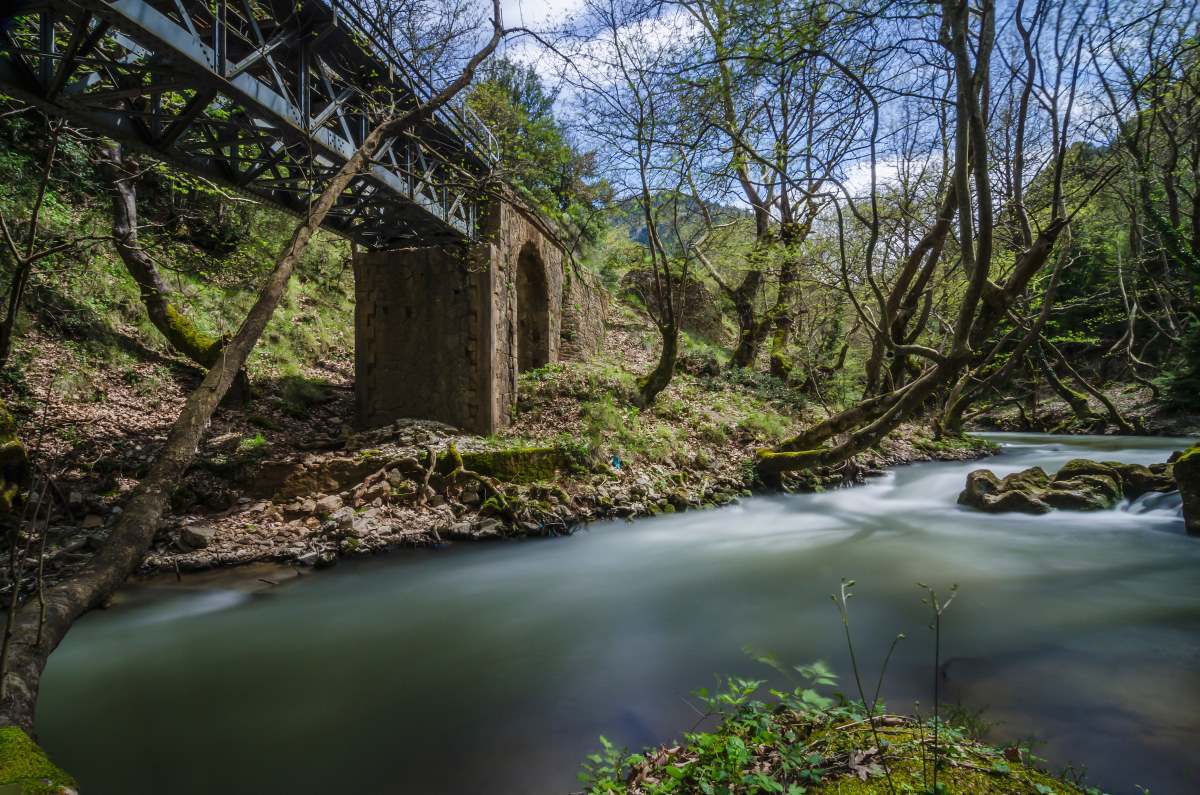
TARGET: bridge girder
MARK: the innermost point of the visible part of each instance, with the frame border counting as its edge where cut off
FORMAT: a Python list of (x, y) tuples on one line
[(269, 97)]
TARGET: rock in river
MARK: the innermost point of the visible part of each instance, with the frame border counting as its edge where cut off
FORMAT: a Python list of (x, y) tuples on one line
[(1187, 476), (1080, 485)]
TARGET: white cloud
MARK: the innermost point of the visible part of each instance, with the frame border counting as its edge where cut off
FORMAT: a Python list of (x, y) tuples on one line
[(538, 14)]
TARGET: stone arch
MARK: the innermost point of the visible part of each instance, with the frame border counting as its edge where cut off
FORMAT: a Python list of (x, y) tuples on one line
[(533, 310)]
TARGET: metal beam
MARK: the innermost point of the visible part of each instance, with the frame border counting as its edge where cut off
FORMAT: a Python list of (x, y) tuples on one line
[(207, 88)]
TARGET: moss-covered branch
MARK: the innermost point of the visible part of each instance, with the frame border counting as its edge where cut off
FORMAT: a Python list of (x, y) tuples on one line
[(178, 329)]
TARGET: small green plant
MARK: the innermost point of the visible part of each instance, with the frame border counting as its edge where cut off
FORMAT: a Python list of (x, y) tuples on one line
[(253, 446), (937, 608), (804, 740)]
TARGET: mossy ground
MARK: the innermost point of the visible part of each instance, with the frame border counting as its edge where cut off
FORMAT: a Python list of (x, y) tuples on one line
[(803, 743), (25, 766)]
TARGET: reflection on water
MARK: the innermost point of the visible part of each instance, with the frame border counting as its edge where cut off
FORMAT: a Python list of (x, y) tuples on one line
[(493, 668)]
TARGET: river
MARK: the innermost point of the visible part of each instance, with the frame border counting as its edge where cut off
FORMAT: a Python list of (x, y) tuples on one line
[(493, 668)]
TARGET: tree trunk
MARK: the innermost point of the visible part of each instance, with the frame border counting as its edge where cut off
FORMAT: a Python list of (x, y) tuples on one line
[(166, 316), (751, 330), (1076, 400), (650, 385), (1114, 414), (782, 318), (16, 296)]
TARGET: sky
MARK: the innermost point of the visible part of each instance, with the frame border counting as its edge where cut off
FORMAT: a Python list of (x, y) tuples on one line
[(534, 13)]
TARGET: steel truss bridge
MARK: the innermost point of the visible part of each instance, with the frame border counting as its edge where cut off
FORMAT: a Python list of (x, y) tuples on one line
[(269, 97)]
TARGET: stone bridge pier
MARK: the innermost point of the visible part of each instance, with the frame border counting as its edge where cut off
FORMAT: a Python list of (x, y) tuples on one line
[(442, 332)]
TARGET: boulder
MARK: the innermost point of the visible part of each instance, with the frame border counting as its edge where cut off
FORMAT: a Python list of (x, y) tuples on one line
[(1105, 490), (328, 504), (980, 483), (1065, 496), (1083, 466), (197, 536), (1187, 477), (489, 528), (300, 508), (1137, 480), (1015, 501), (1030, 479), (1080, 485), (343, 518)]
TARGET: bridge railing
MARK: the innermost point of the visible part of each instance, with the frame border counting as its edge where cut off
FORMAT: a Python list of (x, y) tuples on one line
[(456, 115)]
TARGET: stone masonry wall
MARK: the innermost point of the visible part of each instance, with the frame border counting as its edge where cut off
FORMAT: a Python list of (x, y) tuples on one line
[(421, 336), (584, 309), (438, 330)]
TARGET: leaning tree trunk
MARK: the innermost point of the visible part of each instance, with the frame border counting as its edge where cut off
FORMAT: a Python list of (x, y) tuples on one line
[(164, 313), (39, 628), (1114, 414), (1077, 401)]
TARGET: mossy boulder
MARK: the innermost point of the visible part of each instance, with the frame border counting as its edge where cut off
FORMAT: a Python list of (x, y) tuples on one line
[(1017, 493), (980, 483), (1015, 501), (1133, 480), (1071, 495), (1032, 479), (1079, 485), (1084, 466), (511, 464), (1187, 478), (15, 470), (25, 768), (518, 464)]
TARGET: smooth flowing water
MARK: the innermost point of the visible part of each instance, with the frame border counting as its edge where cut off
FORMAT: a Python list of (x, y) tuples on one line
[(494, 668)]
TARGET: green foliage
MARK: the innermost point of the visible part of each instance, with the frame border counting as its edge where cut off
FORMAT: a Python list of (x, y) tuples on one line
[(1180, 380), (24, 765), (253, 446), (766, 426), (802, 740), (212, 250), (539, 160)]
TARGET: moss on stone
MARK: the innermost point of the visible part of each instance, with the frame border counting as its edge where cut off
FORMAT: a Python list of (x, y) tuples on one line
[(512, 464), (14, 462), (1077, 467), (971, 766), (1191, 454), (832, 755), (1186, 471), (24, 764)]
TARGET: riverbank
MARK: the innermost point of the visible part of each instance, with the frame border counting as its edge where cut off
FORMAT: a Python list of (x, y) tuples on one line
[(313, 508), (286, 479)]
